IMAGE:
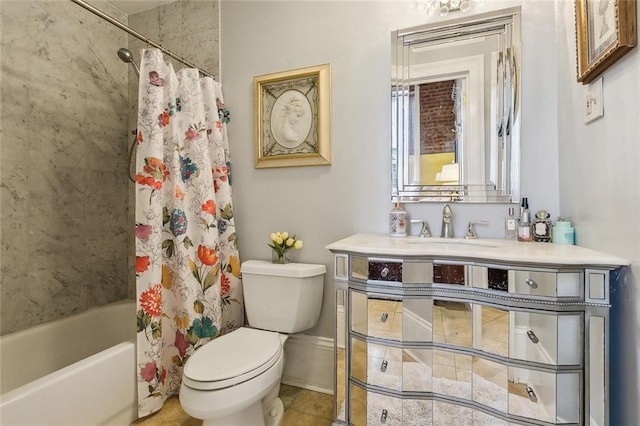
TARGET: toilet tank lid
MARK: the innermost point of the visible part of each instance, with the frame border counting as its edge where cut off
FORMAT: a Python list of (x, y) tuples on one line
[(296, 270)]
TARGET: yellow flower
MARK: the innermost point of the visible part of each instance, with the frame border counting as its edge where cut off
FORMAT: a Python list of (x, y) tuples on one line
[(281, 242)]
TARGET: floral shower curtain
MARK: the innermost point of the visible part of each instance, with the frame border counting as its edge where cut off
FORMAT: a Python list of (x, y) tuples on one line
[(187, 263)]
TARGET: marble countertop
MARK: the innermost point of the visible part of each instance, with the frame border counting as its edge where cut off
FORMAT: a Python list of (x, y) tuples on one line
[(483, 249)]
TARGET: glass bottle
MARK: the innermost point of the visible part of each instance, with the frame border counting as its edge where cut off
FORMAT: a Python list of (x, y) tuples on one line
[(542, 227), (511, 226), (524, 227)]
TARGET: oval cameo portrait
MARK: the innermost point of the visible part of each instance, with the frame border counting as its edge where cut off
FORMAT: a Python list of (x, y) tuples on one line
[(291, 119)]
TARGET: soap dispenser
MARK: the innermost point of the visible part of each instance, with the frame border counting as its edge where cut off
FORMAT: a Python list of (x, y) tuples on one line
[(398, 221)]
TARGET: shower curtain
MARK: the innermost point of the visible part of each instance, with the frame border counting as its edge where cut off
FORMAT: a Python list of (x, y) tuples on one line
[(187, 265)]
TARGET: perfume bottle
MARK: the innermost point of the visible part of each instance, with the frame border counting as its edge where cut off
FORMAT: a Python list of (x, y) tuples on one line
[(511, 226), (524, 227), (542, 227)]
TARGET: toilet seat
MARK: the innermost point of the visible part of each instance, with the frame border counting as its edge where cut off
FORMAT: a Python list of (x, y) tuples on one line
[(232, 359)]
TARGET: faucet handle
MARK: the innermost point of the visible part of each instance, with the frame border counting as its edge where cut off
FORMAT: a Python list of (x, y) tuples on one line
[(425, 231), (471, 230)]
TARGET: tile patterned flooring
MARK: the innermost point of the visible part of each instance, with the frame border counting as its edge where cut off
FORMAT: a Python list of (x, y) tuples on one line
[(302, 407)]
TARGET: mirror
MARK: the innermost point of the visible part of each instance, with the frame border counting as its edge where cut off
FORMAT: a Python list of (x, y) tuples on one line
[(455, 110)]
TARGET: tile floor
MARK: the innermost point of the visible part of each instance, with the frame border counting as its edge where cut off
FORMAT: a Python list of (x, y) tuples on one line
[(302, 407)]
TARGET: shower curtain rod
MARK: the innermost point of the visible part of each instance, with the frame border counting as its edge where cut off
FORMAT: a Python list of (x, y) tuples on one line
[(139, 36)]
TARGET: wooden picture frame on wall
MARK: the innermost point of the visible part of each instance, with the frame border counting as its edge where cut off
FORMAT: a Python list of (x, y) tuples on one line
[(292, 118), (605, 31)]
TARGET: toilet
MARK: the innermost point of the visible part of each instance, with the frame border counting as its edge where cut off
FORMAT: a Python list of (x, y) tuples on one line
[(234, 380)]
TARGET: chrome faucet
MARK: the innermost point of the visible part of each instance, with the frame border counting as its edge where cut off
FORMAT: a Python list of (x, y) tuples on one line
[(447, 222)]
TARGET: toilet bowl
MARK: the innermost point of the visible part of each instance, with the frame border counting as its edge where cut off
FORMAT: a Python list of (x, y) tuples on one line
[(234, 380), (227, 382)]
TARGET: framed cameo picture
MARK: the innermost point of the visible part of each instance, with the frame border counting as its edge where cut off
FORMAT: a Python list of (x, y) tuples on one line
[(605, 31), (292, 118)]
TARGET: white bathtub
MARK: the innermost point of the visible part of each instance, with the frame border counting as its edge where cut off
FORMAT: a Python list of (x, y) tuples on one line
[(74, 371)]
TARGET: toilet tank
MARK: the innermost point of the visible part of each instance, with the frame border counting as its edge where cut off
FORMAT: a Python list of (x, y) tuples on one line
[(284, 298)]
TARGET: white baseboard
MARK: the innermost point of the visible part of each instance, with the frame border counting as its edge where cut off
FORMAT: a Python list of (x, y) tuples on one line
[(309, 363)]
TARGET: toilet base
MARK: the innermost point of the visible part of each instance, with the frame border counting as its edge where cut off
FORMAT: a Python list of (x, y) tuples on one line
[(274, 416), (250, 416)]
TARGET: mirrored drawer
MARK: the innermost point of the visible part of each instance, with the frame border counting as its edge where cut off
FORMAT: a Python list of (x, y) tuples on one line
[(529, 283), (417, 367), (376, 364), (452, 323), (550, 284), (373, 269), (417, 320), (391, 367), (546, 338), (370, 408), (409, 319), (454, 274), (452, 374), (546, 396), (535, 394), (554, 339), (376, 316)]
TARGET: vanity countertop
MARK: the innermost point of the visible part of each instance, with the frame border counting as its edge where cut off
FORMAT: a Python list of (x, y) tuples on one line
[(483, 249)]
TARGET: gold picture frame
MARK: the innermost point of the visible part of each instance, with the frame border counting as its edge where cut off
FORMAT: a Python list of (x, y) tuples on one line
[(605, 31), (292, 115)]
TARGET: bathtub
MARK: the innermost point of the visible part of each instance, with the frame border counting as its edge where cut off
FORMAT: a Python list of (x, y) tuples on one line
[(78, 370)]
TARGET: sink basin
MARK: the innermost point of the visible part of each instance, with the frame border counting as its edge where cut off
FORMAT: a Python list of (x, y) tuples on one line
[(450, 242)]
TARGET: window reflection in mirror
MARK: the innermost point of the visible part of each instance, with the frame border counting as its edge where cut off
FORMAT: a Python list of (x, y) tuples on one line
[(463, 77), (435, 120)]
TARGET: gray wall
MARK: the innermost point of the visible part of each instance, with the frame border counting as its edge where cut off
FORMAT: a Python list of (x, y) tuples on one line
[(599, 177), (63, 218), (324, 204)]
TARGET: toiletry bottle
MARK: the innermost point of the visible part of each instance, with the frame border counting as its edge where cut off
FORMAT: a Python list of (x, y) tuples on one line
[(511, 226), (542, 227), (398, 221), (524, 227)]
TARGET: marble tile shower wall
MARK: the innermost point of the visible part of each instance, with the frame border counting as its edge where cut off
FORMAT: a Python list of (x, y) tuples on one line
[(67, 111), (64, 219)]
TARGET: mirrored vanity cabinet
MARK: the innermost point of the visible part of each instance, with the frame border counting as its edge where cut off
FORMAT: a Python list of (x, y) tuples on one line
[(470, 332)]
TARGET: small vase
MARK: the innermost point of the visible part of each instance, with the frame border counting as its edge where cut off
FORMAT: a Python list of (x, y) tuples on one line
[(277, 257)]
